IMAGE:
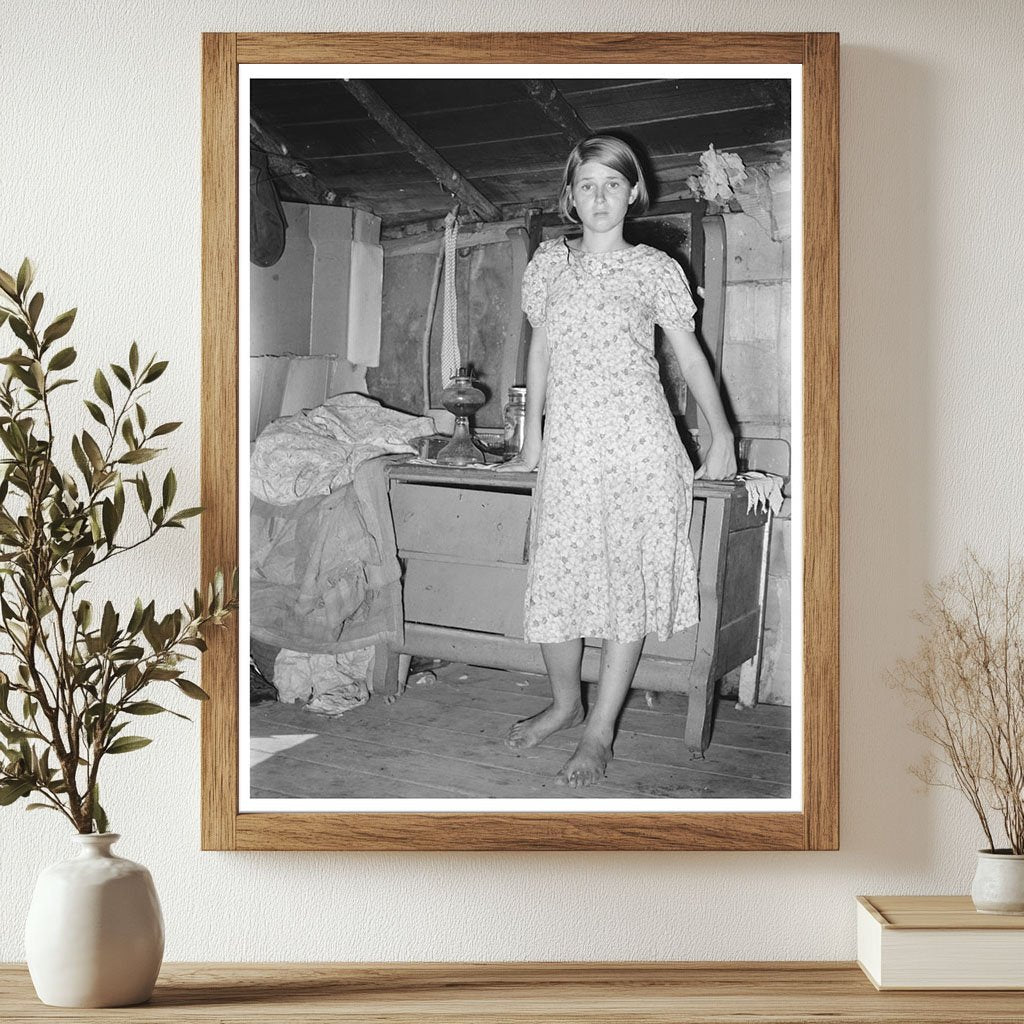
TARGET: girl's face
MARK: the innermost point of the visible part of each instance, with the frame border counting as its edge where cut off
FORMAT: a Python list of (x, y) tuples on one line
[(601, 196)]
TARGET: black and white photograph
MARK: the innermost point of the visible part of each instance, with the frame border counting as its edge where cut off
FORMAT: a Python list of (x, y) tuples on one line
[(520, 352)]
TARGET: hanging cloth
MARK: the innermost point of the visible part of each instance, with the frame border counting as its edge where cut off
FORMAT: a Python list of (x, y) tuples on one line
[(451, 360), (267, 223)]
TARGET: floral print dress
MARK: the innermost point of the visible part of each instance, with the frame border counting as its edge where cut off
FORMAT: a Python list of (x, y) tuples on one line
[(610, 550)]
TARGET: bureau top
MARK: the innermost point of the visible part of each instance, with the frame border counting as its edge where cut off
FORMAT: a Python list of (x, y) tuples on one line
[(403, 469)]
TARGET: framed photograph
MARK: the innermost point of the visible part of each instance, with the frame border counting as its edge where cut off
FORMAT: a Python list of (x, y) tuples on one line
[(453, 634)]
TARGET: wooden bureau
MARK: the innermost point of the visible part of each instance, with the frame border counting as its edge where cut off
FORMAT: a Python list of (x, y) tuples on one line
[(463, 540)]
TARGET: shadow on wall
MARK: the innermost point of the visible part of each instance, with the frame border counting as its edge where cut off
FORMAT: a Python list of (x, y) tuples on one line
[(888, 413)]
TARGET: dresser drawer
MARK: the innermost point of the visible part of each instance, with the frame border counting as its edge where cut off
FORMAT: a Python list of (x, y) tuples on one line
[(465, 552), (473, 525), (484, 598)]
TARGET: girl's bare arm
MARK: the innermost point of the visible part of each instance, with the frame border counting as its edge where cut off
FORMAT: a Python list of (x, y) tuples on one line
[(720, 461), (537, 363)]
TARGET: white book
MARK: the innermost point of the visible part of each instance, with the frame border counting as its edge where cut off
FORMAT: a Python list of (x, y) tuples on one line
[(938, 942)]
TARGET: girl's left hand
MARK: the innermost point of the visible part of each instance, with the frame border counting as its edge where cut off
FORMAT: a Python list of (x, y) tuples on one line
[(720, 463)]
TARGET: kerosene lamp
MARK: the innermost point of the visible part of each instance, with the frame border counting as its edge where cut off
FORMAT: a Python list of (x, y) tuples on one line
[(461, 398)]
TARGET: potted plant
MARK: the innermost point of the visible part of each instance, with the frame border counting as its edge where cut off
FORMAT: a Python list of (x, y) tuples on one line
[(967, 679), (76, 672)]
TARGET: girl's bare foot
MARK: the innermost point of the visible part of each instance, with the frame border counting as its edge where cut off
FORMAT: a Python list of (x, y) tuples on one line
[(587, 765), (531, 731)]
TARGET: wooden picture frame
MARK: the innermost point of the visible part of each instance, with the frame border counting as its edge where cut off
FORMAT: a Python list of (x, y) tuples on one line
[(816, 825)]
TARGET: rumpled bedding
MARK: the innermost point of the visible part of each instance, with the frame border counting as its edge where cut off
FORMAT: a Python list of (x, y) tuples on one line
[(324, 569), (317, 450)]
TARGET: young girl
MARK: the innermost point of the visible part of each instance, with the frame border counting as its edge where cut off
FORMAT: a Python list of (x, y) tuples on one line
[(610, 550)]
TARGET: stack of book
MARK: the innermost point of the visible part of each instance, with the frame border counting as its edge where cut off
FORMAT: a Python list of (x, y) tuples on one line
[(938, 942)]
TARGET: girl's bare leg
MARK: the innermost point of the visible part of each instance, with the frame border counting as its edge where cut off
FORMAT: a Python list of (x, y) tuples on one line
[(618, 666), (566, 709)]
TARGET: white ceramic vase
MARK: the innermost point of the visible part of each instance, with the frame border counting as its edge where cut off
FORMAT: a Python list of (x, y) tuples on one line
[(999, 883), (95, 933)]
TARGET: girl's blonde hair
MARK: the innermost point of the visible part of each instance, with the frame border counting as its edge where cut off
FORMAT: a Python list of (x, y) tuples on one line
[(610, 152)]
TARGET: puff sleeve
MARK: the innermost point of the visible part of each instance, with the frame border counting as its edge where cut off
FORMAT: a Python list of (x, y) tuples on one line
[(673, 302), (534, 297)]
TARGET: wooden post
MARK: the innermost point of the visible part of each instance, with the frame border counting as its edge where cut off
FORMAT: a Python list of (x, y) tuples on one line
[(710, 583)]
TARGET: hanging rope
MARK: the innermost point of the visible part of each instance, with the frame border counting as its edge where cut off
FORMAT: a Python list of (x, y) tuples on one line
[(451, 359)]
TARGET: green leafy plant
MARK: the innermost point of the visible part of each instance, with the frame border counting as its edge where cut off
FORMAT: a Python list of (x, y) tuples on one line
[(79, 672), (967, 680)]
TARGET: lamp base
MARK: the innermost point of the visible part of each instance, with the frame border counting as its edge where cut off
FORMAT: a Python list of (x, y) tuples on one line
[(460, 450)]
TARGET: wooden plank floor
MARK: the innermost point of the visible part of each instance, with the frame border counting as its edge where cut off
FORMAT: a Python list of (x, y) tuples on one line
[(446, 739)]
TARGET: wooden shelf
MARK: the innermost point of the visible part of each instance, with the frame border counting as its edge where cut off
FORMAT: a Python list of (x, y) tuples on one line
[(659, 993)]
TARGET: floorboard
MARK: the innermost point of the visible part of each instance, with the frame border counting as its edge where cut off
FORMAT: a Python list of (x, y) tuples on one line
[(444, 739)]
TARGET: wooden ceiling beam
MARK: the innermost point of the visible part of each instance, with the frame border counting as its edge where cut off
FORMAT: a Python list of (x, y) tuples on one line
[(301, 181), (265, 138), (550, 99), (300, 184), (449, 177)]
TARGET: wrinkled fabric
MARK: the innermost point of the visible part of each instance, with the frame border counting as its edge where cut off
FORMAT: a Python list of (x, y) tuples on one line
[(315, 451), (324, 570), (324, 573), (764, 491)]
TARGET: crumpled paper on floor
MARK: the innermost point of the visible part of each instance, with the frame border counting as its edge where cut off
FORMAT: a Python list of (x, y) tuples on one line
[(331, 683)]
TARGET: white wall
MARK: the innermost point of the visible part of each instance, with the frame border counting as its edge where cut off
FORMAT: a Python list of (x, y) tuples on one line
[(281, 296), (99, 181)]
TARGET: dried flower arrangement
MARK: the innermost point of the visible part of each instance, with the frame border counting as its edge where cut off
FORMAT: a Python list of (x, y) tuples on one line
[(968, 679)]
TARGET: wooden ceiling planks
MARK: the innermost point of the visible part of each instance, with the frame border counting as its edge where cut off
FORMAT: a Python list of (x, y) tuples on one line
[(417, 97), (502, 142), (606, 105), (295, 101), (497, 122), (450, 177), (724, 131)]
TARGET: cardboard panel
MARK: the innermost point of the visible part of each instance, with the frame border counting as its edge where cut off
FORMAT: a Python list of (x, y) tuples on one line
[(282, 385), (364, 303)]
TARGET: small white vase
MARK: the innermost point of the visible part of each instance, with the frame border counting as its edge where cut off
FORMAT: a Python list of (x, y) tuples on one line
[(999, 882), (95, 934)]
